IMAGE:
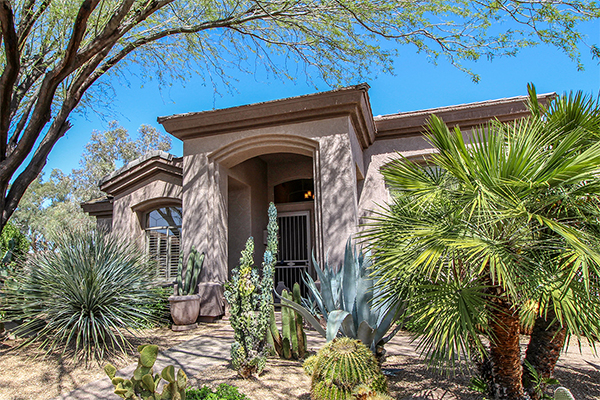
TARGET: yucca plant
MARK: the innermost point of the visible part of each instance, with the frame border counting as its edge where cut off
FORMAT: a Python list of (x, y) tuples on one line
[(83, 295)]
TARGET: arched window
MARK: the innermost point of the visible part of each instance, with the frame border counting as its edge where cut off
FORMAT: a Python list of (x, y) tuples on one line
[(163, 233)]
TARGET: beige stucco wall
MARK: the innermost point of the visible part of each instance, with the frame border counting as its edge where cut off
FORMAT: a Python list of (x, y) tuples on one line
[(208, 162), (129, 206)]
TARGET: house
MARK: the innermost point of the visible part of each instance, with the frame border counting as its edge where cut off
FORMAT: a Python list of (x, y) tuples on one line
[(316, 156)]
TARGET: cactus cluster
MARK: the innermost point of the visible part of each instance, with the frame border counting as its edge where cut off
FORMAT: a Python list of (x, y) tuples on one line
[(250, 299), (144, 384), (187, 280), (291, 343), (343, 366)]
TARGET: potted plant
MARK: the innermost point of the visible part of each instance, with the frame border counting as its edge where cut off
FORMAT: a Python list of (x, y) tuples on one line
[(185, 304)]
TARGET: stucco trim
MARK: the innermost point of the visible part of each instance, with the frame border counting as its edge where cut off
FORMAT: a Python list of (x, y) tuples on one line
[(241, 150), (138, 171), (351, 101), (465, 115), (100, 208), (154, 203)]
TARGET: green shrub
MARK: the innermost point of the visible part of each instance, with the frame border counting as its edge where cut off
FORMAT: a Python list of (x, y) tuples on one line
[(223, 392), (158, 308), (82, 295)]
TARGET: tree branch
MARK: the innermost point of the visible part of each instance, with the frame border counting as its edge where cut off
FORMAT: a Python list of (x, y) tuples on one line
[(11, 70)]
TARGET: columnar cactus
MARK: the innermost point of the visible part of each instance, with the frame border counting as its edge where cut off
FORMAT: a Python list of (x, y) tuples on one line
[(143, 384), (250, 299), (187, 281), (341, 366), (292, 342)]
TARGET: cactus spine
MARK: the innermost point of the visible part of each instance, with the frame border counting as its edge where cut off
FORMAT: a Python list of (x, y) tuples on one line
[(143, 384), (251, 300), (292, 341), (187, 281), (341, 366)]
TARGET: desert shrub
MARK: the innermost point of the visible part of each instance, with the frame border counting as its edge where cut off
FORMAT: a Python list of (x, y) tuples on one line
[(223, 392), (84, 294), (158, 308)]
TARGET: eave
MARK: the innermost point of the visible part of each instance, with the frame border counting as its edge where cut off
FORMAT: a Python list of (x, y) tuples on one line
[(466, 116), (141, 169), (350, 101)]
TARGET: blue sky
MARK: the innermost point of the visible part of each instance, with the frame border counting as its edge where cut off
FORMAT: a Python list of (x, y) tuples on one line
[(417, 84)]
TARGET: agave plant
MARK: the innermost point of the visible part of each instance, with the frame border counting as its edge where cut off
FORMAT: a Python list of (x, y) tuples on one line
[(84, 294), (346, 301)]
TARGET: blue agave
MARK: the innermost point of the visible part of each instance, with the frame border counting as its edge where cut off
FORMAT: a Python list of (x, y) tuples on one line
[(346, 301)]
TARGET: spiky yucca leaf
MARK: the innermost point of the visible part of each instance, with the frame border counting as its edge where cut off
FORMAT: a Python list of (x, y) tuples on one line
[(82, 295)]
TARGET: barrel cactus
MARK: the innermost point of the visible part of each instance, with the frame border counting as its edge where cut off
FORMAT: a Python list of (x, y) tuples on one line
[(364, 392), (341, 366)]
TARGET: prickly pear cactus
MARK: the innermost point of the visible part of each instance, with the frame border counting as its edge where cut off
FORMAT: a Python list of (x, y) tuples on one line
[(342, 365), (144, 383), (562, 393), (251, 301)]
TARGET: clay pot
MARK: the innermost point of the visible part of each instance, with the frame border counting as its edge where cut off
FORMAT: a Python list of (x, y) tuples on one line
[(184, 311)]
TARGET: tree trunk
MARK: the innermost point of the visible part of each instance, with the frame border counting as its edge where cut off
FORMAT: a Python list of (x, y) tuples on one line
[(547, 340), (505, 353)]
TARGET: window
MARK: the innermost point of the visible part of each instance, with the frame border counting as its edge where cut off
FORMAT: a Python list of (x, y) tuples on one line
[(163, 233)]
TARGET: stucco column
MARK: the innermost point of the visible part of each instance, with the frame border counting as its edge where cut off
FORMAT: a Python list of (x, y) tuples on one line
[(337, 195), (204, 226)]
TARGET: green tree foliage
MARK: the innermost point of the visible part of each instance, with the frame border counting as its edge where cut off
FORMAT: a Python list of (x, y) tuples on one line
[(109, 150), (495, 234), (52, 204), (14, 241), (56, 54)]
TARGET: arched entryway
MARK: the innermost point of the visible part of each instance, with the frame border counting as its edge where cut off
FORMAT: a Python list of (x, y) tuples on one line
[(271, 169)]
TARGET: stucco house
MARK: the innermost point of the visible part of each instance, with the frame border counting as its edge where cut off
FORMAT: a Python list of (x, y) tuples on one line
[(316, 156)]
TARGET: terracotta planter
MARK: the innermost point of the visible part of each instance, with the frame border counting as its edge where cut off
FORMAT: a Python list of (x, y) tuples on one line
[(184, 311)]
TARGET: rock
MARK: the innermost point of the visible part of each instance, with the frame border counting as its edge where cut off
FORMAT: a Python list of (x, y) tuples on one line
[(432, 394)]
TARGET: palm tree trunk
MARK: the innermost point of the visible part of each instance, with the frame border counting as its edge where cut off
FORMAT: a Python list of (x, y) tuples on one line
[(505, 353), (546, 342)]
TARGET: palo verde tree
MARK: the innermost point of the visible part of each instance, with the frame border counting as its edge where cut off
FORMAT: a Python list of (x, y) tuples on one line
[(56, 53)]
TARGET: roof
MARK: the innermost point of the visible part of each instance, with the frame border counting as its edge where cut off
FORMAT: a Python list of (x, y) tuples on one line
[(464, 115), (352, 101), (143, 167)]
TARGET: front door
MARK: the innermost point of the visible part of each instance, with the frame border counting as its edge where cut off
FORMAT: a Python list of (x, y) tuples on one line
[(294, 249)]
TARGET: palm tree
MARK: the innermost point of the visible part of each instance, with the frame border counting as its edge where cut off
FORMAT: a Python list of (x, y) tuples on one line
[(493, 234)]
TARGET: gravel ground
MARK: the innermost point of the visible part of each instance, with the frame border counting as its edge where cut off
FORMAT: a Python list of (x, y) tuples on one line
[(28, 374), (23, 377)]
